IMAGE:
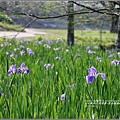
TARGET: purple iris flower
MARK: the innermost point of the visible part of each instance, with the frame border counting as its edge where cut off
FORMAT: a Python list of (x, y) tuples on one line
[(92, 73), (88, 47), (58, 40), (20, 70), (30, 52), (109, 51), (22, 52), (98, 59), (12, 55), (25, 41), (21, 46), (48, 65), (23, 69), (78, 55), (12, 70), (103, 76), (47, 46), (63, 97), (90, 52), (1, 92), (115, 62), (110, 56), (48, 41), (40, 42), (90, 79)]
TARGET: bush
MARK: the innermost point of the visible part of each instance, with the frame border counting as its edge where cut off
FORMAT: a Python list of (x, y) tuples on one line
[(5, 18)]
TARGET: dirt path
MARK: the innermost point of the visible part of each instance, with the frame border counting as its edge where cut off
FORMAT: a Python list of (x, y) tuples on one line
[(28, 33)]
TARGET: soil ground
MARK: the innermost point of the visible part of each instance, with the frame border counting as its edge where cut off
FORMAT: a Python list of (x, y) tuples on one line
[(28, 33)]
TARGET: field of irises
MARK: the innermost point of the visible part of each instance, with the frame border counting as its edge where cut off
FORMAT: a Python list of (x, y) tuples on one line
[(48, 79)]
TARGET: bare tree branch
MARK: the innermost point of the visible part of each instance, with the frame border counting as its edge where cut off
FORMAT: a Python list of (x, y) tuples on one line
[(59, 16), (96, 10), (115, 2)]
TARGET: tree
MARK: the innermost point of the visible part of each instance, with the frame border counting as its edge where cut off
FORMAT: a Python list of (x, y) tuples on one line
[(118, 39), (114, 18), (108, 11), (114, 21), (114, 24), (70, 35)]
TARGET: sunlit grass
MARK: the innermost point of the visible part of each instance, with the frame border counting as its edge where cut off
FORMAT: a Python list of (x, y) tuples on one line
[(82, 36)]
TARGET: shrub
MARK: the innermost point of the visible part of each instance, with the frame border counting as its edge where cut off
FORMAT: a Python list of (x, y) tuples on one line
[(5, 18)]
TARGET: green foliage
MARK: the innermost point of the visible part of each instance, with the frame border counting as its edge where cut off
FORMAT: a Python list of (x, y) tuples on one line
[(6, 23), (10, 27), (39, 38), (85, 37), (5, 18)]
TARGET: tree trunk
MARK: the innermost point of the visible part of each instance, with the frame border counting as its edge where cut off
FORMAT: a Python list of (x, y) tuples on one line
[(114, 24), (70, 35), (118, 39)]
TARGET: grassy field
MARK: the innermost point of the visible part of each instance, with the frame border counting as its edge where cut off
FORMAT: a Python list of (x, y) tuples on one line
[(45, 78), (10, 27), (82, 36)]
